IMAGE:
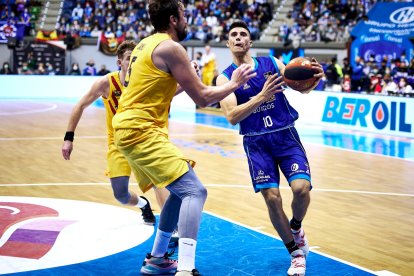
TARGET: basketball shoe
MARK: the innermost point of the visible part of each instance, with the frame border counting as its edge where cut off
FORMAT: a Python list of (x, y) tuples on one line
[(297, 263), (301, 240), (193, 272), (147, 215), (161, 265)]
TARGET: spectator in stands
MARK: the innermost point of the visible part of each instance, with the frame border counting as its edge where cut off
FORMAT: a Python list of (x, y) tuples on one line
[(346, 83), (75, 70), (357, 75), (131, 34), (88, 11), (375, 86), (40, 70), (109, 33), (90, 69), (208, 62), (25, 69), (24, 18), (50, 70), (6, 70), (77, 12), (85, 32), (404, 89), (389, 87), (404, 59), (103, 71), (332, 73)]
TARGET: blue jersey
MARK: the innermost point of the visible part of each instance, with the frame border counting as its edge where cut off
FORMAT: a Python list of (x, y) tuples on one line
[(272, 115)]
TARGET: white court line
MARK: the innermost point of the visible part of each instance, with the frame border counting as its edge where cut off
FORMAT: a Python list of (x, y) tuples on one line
[(207, 185), (277, 238), (104, 137), (49, 108)]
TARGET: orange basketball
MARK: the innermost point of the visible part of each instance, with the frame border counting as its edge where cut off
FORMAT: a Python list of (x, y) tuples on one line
[(299, 74)]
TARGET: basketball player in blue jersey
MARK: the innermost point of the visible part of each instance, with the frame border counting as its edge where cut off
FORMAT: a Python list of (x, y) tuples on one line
[(270, 139), (110, 88)]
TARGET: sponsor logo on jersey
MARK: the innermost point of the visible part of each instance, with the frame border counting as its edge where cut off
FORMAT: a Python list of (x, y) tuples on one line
[(267, 74)]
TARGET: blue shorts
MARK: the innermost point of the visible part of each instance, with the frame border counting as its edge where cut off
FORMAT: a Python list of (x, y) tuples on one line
[(266, 153)]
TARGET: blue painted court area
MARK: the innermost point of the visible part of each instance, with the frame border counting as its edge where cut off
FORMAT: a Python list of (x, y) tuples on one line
[(224, 248)]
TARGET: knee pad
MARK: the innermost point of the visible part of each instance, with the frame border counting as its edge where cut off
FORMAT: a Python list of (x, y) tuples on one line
[(122, 198), (120, 189)]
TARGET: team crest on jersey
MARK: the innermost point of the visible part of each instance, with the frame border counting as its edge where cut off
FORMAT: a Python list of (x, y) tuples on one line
[(117, 93), (246, 86), (267, 74), (271, 99)]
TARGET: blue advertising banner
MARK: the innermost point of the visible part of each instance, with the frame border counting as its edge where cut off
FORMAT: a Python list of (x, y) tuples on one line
[(386, 32), (11, 30)]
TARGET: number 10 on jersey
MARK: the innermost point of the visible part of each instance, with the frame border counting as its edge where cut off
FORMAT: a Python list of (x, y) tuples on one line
[(267, 121)]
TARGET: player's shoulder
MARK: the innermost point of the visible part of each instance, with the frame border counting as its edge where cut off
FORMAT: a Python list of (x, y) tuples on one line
[(169, 45)]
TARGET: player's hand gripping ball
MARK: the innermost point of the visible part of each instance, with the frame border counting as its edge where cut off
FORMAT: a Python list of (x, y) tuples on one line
[(299, 74)]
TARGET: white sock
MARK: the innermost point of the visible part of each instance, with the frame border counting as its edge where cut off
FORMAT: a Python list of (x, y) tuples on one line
[(186, 254), (161, 242), (141, 202)]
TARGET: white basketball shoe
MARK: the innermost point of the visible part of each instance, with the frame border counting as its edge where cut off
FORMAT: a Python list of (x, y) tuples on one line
[(297, 263)]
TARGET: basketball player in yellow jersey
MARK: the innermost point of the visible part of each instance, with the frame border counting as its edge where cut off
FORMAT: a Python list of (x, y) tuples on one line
[(110, 88), (157, 64), (208, 62)]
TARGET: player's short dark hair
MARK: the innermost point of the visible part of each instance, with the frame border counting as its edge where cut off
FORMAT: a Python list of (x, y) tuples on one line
[(160, 12), (239, 24), (127, 45)]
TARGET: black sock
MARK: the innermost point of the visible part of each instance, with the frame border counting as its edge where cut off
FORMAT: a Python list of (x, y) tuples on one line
[(291, 246), (295, 224)]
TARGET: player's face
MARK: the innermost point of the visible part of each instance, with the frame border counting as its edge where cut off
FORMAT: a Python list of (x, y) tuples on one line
[(239, 40), (124, 61), (181, 25)]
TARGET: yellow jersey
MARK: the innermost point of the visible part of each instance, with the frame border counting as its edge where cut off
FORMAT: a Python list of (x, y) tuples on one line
[(140, 124), (148, 92), (111, 103)]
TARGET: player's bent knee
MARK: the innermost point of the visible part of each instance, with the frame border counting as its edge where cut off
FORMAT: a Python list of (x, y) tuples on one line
[(202, 192), (272, 197), (120, 189), (300, 187), (123, 198)]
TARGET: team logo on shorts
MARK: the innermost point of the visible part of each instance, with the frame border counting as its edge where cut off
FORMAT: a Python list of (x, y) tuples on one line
[(294, 167)]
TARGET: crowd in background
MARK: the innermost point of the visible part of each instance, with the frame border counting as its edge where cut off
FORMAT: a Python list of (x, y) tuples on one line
[(18, 12), (322, 20), (207, 20), (317, 20), (393, 77)]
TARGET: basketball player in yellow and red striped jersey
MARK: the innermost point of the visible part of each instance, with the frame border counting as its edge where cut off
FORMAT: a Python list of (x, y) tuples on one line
[(110, 88)]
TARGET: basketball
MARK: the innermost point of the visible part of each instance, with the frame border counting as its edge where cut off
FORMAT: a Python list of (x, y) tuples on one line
[(299, 74)]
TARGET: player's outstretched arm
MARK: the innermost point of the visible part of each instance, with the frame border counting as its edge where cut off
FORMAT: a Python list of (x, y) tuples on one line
[(171, 57), (98, 89), (235, 113)]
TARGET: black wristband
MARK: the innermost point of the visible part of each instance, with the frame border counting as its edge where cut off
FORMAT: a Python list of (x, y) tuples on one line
[(69, 135)]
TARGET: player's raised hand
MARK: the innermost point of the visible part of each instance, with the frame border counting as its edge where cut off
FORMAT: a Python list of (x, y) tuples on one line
[(242, 74)]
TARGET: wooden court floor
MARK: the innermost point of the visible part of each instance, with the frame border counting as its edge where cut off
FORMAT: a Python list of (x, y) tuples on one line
[(362, 205)]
